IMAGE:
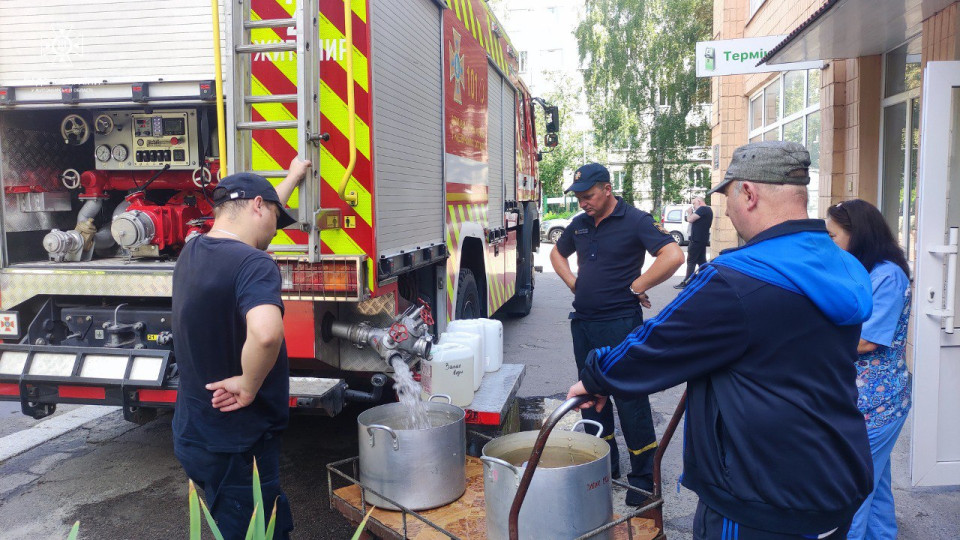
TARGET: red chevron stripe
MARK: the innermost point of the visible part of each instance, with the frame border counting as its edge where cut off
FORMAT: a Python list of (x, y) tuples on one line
[(279, 149), (335, 76), (362, 234), (339, 147), (275, 81), (333, 10)]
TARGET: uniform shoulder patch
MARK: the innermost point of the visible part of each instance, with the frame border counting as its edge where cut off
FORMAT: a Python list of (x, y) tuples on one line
[(660, 228)]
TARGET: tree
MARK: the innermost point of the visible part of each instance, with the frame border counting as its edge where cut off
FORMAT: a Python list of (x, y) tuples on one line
[(641, 84), (575, 146)]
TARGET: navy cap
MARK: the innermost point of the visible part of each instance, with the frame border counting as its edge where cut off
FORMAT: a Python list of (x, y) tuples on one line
[(587, 176), (250, 186)]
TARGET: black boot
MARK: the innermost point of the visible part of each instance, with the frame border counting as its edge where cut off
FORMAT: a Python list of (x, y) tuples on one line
[(680, 285)]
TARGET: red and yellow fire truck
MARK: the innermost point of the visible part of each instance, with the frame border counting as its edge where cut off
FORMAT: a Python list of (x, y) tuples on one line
[(117, 119)]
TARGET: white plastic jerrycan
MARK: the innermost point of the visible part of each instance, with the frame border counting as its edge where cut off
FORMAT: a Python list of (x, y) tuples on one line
[(473, 341), (449, 370)]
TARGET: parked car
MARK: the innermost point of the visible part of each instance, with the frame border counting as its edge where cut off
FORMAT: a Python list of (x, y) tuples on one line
[(673, 220), (551, 229)]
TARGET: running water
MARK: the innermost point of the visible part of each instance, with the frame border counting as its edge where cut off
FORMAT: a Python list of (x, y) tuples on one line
[(408, 390)]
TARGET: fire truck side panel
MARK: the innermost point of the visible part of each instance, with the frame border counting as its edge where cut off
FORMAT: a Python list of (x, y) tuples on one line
[(510, 148), (92, 42), (495, 125), (408, 128), (357, 235)]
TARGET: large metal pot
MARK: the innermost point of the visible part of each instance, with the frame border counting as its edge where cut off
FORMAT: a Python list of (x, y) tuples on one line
[(416, 468), (570, 494)]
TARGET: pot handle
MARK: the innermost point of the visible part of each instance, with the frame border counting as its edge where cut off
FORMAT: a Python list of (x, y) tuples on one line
[(592, 423), (449, 399), (372, 427), (499, 461)]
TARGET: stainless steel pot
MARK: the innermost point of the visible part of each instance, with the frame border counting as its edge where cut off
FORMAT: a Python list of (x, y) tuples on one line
[(570, 493), (416, 468)]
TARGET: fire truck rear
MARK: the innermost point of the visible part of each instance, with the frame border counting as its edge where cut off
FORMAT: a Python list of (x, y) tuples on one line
[(117, 119)]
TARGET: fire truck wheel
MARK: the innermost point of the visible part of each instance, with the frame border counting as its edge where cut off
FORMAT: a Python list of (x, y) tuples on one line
[(468, 297)]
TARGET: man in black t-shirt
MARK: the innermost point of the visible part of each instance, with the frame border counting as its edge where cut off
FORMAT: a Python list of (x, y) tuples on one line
[(611, 239), (700, 218), (233, 394)]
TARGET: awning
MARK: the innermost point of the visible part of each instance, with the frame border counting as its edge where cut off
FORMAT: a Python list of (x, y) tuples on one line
[(854, 28)]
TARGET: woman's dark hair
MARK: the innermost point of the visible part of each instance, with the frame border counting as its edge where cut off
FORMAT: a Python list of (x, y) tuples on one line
[(871, 241)]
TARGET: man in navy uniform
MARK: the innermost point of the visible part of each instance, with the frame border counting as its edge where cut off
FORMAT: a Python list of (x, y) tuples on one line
[(611, 239)]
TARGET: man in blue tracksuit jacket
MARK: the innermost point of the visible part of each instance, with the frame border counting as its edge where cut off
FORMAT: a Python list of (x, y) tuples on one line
[(765, 337)]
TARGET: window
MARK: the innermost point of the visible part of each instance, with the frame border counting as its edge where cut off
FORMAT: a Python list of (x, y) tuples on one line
[(523, 61), (900, 134), (788, 109), (618, 181)]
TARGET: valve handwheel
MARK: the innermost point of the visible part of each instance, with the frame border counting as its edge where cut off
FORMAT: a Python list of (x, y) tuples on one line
[(398, 332), (426, 313)]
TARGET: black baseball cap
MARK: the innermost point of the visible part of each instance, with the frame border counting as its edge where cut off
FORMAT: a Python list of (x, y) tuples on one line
[(247, 185), (587, 176)]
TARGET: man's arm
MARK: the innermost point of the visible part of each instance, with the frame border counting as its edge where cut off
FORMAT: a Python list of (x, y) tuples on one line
[(296, 172), (692, 215), (259, 354), (668, 259), (561, 265), (693, 336)]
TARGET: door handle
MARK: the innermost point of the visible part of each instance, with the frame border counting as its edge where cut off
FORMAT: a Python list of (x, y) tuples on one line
[(949, 304)]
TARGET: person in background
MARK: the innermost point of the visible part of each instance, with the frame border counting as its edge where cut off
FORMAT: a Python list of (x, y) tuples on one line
[(700, 218), (611, 239), (883, 382)]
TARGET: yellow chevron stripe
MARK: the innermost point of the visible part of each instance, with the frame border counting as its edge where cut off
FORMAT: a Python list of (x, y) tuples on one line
[(336, 111), (459, 9), (360, 71), (263, 161), (332, 170), (359, 7)]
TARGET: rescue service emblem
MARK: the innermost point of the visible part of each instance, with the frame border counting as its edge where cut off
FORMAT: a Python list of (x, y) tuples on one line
[(660, 228), (576, 176)]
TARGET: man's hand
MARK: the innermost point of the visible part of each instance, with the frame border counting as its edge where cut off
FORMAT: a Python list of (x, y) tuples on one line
[(231, 394), (579, 390), (298, 168), (642, 297)]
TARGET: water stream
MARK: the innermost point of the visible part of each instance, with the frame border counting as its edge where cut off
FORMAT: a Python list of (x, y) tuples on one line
[(408, 390)]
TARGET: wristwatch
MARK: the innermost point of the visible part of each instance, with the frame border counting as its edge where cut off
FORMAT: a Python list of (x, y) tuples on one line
[(633, 292)]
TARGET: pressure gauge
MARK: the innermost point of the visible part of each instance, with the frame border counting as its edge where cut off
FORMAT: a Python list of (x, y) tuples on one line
[(120, 152), (103, 153), (103, 124)]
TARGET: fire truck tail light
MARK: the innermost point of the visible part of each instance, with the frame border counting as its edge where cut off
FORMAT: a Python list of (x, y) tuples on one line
[(53, 364), (12, 362), (339, 279), (101, 366), (146, 368)]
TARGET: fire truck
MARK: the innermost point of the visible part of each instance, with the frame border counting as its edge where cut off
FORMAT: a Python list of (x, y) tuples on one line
[(117, 120)]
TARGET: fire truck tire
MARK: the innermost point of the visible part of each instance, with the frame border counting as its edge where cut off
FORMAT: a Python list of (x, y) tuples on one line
[(468, 297)]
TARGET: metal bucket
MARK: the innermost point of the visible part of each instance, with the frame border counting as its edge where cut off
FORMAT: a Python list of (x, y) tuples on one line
[(570, 494), (416, 468)]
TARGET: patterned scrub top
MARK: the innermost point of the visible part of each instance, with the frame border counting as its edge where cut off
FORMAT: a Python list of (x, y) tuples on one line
[(883, 382)]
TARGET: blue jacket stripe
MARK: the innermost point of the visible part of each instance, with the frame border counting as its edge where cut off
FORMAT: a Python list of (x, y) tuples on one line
[(640, 336)]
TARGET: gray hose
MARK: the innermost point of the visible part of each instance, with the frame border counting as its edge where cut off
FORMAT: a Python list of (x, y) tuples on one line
[(89, 210)]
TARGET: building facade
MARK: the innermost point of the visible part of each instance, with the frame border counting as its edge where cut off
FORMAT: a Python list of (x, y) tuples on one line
[(859, 115)]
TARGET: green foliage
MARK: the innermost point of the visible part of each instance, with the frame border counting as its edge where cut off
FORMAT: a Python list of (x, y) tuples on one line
[(255, 531), (575, 146), (557, 215), (359, 532), (641, 85)]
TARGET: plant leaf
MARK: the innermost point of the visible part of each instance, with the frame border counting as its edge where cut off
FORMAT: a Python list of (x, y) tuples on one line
[(210, 521), (74, 531), (194, 505), (257, 499), (272, 524), (363, 524), (252, 533)]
